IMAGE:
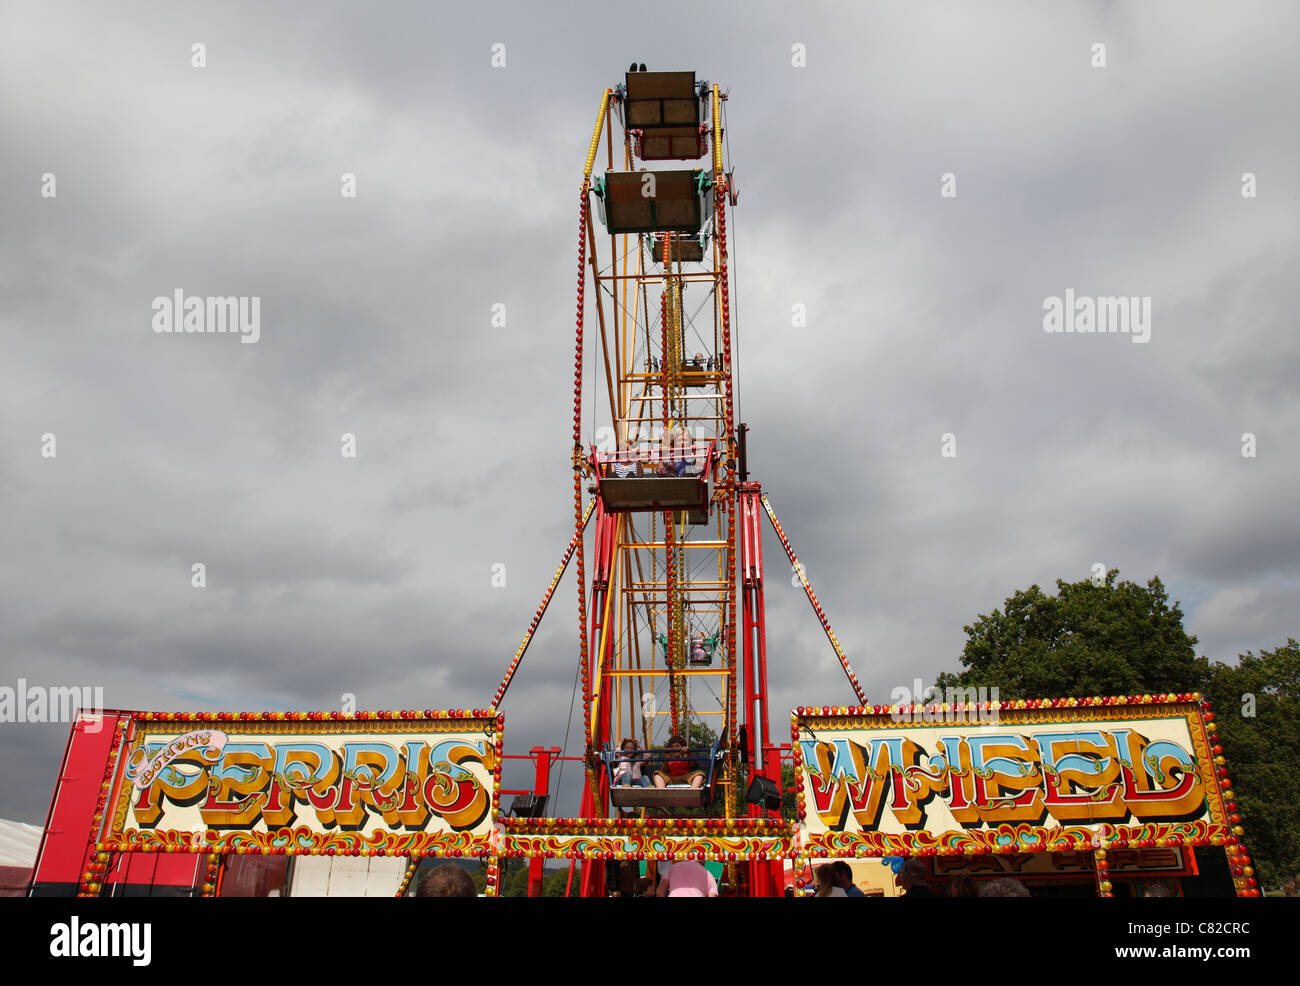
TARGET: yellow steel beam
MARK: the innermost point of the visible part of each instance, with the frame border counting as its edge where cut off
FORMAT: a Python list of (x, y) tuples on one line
[(595, 138), (717, 133)]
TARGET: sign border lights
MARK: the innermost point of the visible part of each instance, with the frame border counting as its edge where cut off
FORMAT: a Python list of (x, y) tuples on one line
[(913, 782), (201, 743)]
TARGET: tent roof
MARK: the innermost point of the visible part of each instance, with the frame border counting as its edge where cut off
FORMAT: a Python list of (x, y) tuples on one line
[(18, 843)]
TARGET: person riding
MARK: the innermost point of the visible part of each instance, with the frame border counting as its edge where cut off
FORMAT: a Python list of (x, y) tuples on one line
[(692, 460), (667, 457), (625, 464), (676, 452), (627, 768), (678, 768)]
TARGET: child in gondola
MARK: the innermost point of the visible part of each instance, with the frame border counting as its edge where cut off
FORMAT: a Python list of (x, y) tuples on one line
[(627, 768), (678, 769)]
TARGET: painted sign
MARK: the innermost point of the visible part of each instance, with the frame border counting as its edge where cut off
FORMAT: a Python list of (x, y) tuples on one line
[(1169, 861), (271, 784), (1042, 779)]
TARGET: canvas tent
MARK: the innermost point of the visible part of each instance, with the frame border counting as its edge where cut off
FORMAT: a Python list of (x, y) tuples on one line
[(18, 843)]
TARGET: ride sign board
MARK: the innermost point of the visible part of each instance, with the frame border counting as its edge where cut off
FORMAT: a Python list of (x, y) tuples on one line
[(309, 783), (1169, 861), (1051, 776)]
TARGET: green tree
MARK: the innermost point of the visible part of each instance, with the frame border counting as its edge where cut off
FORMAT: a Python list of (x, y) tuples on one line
[(515, 884), (789, 805), (1257, 708), (699, 736), (698, 733), (1105, 638)]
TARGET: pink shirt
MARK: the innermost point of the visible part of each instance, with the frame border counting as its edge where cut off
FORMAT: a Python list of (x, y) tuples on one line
[(689, 878)]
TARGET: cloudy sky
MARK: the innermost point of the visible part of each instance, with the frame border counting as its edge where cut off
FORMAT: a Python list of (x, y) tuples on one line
[(372, 575)]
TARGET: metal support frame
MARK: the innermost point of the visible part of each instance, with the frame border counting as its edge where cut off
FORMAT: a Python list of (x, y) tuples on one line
[(765, 760), (541, 757)]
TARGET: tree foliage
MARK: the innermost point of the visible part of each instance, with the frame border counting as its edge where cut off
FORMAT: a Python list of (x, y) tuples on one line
[(700, 736), (789, 806), (1257, 708), (1091, 638), (515, 883)]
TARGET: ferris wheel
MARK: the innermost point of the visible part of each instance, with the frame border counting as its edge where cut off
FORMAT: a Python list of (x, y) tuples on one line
[(667, 539), (659, 635)]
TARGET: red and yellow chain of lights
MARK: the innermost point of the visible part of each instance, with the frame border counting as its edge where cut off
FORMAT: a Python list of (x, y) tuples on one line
[(578, 458), (92, 880)]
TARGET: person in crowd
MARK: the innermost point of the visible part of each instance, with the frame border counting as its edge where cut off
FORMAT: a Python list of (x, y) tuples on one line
[(1003, 887), (688, 878), (962, 886), (826, 887), (622, 877), (843, 875), (678, 768), (911, 878), (627, 768), (448, 880)]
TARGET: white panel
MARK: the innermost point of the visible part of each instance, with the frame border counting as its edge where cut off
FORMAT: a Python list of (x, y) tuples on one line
[(311, 876), (385, 877), (348, 876)]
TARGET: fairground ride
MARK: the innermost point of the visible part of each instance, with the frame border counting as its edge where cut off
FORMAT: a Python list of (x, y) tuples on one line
[(671, 634)]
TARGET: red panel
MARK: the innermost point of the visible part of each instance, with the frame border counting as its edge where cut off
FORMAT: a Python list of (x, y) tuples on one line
[(119, 868), (177, 869), (160, 869), (602, 566), (67, 839), (138, 869)]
